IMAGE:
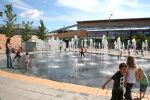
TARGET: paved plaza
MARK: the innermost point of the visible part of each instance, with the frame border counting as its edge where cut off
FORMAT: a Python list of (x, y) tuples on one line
[(15, 86), (20, 87)]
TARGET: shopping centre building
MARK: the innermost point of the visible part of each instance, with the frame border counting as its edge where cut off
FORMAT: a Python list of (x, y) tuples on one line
[(113, 28)]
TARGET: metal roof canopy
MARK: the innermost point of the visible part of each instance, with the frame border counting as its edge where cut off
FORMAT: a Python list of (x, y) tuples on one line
[(115, 24), (63, 29)]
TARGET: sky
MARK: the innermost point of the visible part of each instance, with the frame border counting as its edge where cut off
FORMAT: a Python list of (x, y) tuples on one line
[(60, 13)]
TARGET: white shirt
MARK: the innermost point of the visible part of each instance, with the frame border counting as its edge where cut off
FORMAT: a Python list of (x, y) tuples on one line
[(131, 76)]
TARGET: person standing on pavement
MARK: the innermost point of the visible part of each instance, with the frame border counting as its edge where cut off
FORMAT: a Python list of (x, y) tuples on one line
[(130, 77), (8, 53)]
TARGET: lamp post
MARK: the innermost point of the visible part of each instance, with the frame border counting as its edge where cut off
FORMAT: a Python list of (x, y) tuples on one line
[(109, 22), (110, 17)]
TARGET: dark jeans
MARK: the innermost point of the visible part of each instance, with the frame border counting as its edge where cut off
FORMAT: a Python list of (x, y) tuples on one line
[(82, 54), (17, 56), (128, 95), (9, 61), (117, 94)]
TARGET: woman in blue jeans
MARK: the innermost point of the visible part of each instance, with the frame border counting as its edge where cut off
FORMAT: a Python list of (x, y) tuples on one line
[(8, 53)]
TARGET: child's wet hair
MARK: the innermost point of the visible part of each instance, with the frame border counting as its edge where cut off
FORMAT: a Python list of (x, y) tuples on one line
[(131, 62), (121, 65)]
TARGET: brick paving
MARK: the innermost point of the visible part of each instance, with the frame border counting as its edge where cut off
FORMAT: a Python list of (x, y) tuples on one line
[(22, 87)]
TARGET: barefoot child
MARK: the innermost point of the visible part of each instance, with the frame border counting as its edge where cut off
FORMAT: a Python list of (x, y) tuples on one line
[(143, 82), (82, 52), (27, 60), (18, 54)]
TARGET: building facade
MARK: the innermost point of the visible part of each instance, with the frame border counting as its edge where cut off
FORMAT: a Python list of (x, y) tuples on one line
[(127, 29), (116, 26), (113, 28)]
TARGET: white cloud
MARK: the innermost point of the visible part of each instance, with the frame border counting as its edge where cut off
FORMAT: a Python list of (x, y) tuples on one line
[(103, 8), (33, 13), (45, 1), (80, 10), (56, 18), (126, 9), (84, 5), (21, 5), (86, 9), (28, 11), (133, 3)]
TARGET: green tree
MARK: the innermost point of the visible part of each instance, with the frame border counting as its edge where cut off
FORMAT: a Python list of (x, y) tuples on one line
[(123, 38), (42, 31), (148, 39), (10, 21), (27, 33), (141, 37), (1, 13)]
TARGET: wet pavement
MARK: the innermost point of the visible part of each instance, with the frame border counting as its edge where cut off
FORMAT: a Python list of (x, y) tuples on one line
[(29, 87), (91, 70)]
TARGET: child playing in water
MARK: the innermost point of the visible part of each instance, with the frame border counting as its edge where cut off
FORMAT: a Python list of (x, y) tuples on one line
[(18, 54), (143, 82), (27, 60), (82, 52), (119, 80)]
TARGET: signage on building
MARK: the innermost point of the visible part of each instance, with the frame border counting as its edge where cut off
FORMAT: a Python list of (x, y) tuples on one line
[(96, 34)]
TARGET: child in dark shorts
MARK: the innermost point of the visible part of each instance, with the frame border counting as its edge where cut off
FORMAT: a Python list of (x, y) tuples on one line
[(18, 55), (143, 82), (119, 80)]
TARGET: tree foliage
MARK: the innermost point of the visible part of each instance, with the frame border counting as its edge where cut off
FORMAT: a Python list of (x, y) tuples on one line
[(10, 21), (140, 37), (1, 13), (27, 33), (42, 31), (148, 39), (123, 37)]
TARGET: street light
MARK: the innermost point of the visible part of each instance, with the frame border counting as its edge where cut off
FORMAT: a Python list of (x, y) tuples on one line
[(110, 17)]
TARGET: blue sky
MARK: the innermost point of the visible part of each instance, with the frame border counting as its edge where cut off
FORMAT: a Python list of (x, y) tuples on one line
[(60, 13)]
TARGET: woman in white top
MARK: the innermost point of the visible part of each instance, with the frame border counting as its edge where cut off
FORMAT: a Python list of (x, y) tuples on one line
[(130, 77)]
